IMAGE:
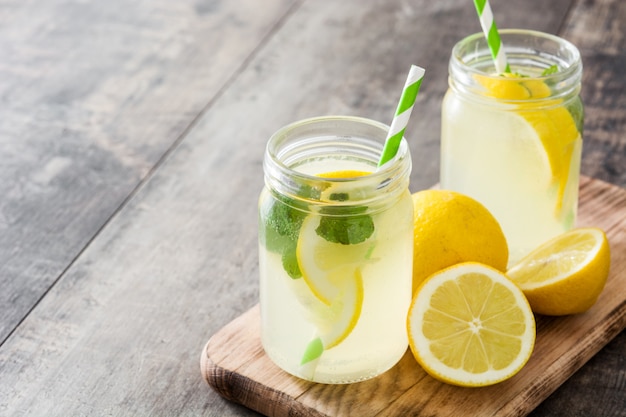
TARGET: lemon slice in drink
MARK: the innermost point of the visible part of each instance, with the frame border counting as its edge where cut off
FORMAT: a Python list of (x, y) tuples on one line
[(469, 325), (343, 312), (554, 127), (332, 272), (326, 266), (566, 274)]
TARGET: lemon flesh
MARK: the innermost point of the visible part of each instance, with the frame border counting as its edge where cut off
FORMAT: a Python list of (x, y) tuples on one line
[(469, 325), (566, 274)]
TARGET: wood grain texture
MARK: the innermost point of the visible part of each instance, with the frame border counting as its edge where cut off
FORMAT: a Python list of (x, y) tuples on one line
[(93, 95), (597, 28), (234, 364), (130, 257)]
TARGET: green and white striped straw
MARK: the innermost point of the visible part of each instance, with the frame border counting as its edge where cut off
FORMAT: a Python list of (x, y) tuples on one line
[(488, 23), (403, 112)]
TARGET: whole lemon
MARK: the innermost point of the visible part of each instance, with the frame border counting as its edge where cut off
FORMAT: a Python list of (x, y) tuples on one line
[(449, 228)]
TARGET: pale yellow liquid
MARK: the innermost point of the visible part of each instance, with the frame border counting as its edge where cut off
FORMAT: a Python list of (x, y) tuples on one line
[(487, 153), (289, 311)]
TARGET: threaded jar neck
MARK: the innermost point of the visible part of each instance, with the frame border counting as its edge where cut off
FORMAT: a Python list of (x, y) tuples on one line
[(529, 53), (297, 153)]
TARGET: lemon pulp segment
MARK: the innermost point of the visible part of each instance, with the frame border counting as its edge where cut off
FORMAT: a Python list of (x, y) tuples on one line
[(469, 325)]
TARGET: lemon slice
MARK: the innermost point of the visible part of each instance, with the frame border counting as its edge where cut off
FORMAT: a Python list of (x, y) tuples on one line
[(347, 173), (327, 265), (566, 274), (339, 190), (333, 275), (469, 325), (332, 272), (555, 129), (344, 311)]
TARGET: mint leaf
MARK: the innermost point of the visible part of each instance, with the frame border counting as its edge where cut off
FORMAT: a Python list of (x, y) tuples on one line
[(552, 69), (339, 197), (284, 219), (282, 227), (290, 261), (349, 228), (280, 234), (575, 107)]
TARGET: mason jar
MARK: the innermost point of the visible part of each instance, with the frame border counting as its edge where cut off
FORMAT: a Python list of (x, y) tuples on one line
[(335, 250), (513, 141)]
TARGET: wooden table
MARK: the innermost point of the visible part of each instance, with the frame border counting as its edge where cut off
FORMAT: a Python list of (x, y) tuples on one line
[(131, 142)]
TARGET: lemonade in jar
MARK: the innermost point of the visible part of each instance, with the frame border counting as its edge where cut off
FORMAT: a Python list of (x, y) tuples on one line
[(513, 140), (335, 250)]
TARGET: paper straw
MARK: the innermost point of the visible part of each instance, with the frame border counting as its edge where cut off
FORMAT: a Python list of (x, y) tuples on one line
[(403, 112), (488, 23)]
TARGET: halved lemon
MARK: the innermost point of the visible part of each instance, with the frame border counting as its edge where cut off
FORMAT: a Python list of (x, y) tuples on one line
[(566, 274), (469, 325)]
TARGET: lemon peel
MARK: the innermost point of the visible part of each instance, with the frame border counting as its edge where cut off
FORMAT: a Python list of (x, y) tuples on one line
[(449, 228)]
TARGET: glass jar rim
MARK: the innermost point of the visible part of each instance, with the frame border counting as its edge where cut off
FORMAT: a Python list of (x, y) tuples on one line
[(471, 59), (479, 39), (278, 164)]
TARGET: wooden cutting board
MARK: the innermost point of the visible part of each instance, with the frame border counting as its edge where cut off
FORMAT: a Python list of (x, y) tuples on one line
[(234, 364)]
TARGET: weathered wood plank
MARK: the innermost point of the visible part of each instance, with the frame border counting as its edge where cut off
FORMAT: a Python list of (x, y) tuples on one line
[(93, 95), (122, 330), (597, 28)]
